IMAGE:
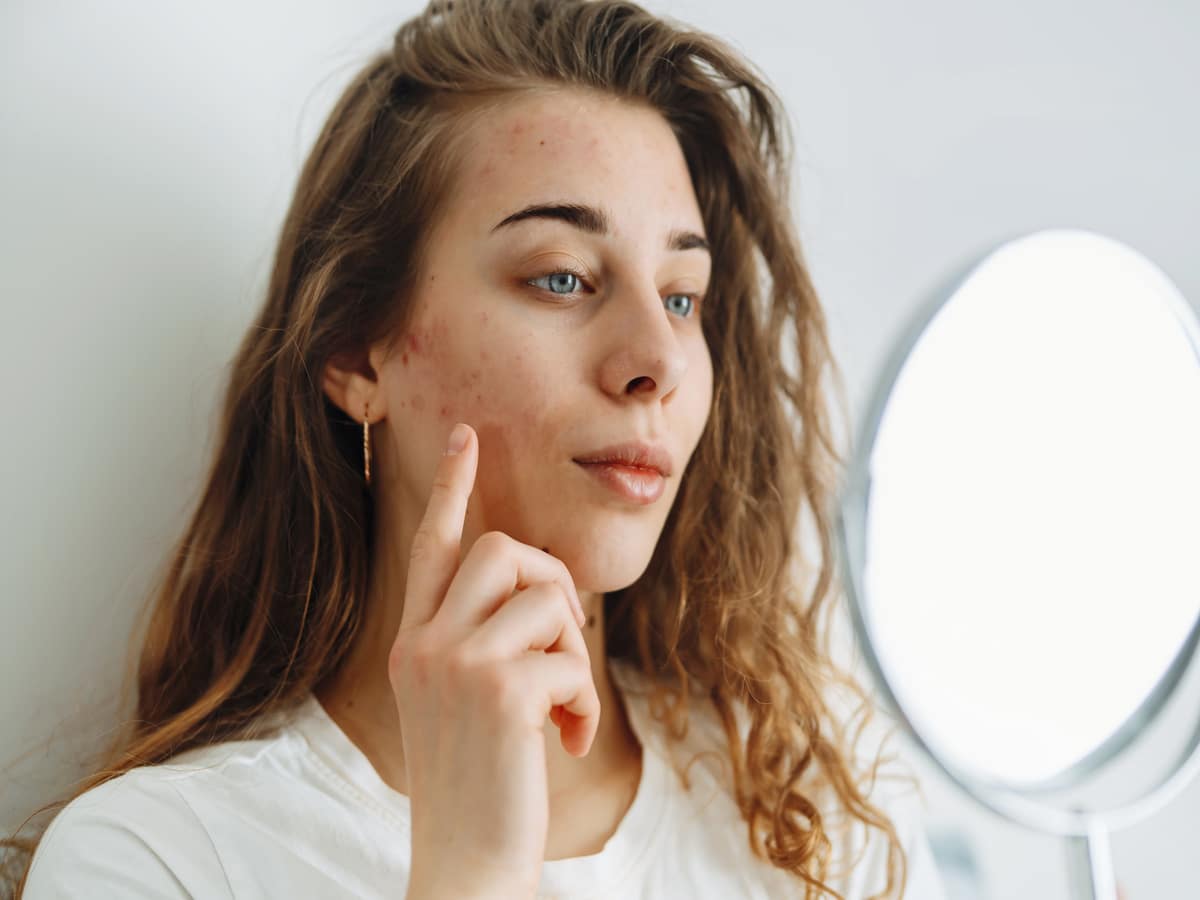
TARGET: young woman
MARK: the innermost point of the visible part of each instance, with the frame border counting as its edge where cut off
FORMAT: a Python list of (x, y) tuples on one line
[(495, 588)]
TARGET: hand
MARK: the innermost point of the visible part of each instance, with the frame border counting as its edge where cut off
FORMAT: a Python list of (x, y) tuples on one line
[(475, 669)]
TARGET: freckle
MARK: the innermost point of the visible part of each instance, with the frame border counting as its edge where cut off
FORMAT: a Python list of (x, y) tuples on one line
[(540, 143)]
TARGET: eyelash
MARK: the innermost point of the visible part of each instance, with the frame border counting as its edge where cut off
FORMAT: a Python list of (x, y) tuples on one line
[(568, 270)]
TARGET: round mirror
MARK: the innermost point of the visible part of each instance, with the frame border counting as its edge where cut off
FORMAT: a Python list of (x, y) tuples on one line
[(1019, 533)]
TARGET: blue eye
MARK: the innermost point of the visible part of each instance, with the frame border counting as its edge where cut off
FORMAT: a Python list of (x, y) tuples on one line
[(565, 278), (691, 302), (560, 280)]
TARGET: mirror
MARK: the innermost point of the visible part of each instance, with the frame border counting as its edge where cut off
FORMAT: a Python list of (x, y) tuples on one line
[(1019, 530)]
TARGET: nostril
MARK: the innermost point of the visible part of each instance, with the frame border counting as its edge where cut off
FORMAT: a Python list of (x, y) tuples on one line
[(636, 384)]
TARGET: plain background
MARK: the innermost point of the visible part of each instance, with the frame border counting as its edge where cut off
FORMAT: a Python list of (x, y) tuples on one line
[(147, 155)]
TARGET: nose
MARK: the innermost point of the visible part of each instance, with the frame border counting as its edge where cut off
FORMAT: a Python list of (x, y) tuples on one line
[(646, 357)]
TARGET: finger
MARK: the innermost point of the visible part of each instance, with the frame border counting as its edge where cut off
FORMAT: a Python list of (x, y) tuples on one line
[(569, 685), (541, 617), (434, 554), (497, 566)]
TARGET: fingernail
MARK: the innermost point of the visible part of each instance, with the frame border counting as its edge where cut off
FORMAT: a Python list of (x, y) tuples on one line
[(458, 439)]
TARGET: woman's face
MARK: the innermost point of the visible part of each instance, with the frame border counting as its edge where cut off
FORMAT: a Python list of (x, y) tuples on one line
[(546, 366)]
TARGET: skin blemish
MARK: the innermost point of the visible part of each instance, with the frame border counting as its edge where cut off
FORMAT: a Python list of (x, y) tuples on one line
[(404, 358), (414, 343)]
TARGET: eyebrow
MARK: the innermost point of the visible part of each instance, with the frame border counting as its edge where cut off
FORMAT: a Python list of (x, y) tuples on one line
[(594, 220)]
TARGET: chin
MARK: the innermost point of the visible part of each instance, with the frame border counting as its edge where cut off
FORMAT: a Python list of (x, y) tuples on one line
[(600, 571)]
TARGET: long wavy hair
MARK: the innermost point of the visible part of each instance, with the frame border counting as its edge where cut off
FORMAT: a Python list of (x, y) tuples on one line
[(265, 590)]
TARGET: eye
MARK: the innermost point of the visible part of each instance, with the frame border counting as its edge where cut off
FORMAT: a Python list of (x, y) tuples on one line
[(560, 281), (690, 302), (565, 278)]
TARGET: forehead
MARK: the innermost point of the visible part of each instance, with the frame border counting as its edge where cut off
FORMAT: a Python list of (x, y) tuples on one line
[(574, 145)]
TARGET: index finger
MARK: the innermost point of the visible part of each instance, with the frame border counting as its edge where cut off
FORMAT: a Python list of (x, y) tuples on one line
[(434, 555)]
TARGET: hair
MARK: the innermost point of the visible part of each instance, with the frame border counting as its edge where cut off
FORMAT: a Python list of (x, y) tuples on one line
[(265, 590)]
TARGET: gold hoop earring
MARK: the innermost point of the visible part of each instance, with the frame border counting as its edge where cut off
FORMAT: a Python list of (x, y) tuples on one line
[(367, 442)]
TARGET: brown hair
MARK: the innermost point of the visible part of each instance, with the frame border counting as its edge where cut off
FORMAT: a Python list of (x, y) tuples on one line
[(266, 588)]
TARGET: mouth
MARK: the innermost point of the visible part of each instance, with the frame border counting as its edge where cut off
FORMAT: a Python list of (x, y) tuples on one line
[(636, 471), (636, 484), (633, 455)]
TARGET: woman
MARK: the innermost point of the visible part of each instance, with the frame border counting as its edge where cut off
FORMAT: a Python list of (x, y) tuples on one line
[(398, 658)]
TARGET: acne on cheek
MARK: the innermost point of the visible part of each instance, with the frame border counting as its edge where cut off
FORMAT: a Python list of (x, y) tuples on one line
[(512, 400), (428, 357)]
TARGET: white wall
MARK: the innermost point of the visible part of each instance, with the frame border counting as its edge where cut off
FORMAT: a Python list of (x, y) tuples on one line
[(147, 154)]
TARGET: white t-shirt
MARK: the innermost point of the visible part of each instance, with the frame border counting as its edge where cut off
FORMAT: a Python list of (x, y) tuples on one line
[(302, 813)]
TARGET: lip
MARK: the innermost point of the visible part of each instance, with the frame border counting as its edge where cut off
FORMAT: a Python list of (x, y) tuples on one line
[(631, 455), (633, 483)]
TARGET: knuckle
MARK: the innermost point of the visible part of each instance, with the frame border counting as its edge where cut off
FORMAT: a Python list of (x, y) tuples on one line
[(458, 665), (566, 573), (563, 596), (410, 657), (493, 544)]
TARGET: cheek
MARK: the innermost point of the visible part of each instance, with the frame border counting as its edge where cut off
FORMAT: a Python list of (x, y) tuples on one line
[(701, 371), (489, 380)]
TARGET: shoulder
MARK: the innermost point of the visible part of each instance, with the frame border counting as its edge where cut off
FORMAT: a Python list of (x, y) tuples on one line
[(139, 834), (135, 835)]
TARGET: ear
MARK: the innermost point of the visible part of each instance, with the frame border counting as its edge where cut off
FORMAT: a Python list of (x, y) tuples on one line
[(351, 380)]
